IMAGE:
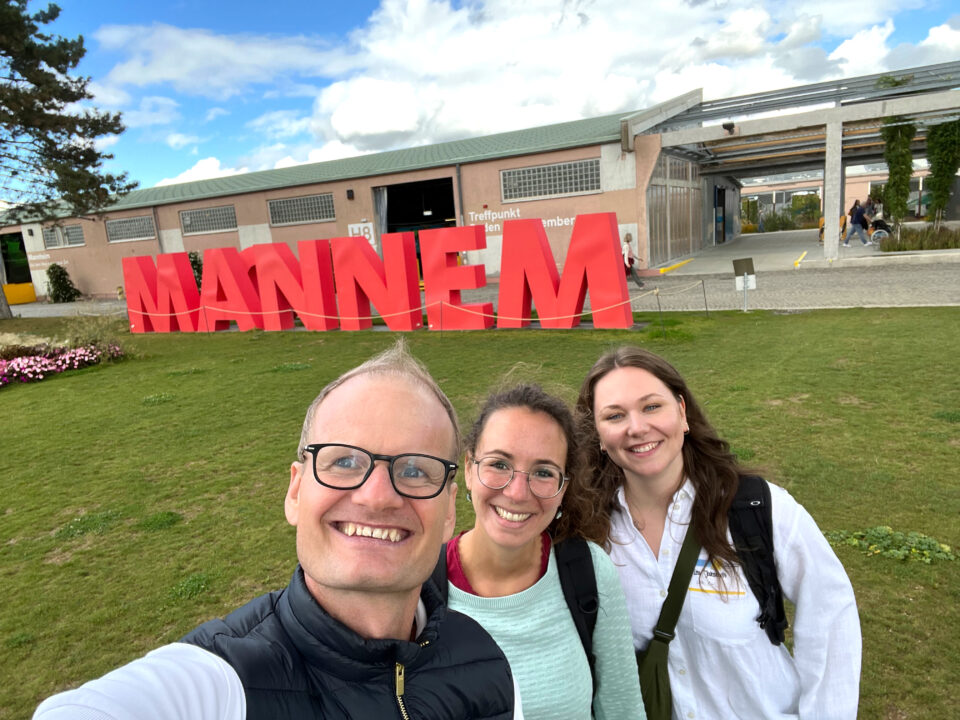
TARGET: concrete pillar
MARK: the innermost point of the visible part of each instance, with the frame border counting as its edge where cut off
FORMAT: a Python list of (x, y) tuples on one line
[(832, 190)]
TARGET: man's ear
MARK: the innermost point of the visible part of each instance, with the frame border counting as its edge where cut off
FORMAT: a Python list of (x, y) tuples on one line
[(291, 503), (450, 523)]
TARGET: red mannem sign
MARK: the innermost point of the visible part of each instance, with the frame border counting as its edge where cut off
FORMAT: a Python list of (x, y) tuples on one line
[(335, 282)]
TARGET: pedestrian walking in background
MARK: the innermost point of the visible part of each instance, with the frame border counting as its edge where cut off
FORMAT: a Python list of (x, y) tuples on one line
[(858, 222), (629, 260)]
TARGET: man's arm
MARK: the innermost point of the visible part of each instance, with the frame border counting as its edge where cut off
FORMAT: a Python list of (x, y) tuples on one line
[(174, 682)]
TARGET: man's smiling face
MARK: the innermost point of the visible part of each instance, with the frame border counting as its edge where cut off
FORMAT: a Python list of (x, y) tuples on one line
[(371, 539)]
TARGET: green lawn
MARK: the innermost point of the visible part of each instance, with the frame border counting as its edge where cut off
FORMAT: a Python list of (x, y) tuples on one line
[(143, 497)]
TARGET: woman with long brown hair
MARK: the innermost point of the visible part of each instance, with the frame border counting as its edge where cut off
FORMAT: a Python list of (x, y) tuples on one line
[(661, 473), (524, 476)]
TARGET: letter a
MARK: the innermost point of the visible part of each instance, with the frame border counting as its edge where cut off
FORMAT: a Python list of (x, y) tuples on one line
[(227, 292)]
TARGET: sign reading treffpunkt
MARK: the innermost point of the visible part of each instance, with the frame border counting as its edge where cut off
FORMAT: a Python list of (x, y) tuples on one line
[(334, 282)]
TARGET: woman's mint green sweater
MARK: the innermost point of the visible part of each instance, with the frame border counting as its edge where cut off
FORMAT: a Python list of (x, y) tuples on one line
[(537, 634)]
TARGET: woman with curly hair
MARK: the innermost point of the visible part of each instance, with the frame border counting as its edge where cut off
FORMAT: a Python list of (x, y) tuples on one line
[(524, 476), (662, 473)]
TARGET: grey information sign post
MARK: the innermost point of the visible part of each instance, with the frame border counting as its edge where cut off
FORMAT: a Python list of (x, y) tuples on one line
[(745, 277)]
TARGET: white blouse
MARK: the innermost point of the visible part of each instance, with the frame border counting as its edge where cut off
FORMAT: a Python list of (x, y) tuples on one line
[(721, 662)]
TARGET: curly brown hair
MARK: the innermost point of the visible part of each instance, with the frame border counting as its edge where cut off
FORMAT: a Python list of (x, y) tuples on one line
[(580, 517), (707, 460)]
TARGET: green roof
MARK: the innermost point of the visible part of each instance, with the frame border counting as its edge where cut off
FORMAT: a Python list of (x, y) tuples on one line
[(560, 136)]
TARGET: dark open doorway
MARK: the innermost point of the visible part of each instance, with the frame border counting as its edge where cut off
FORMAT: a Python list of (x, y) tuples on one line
[(15, 261), (420, 205), (720, 210)]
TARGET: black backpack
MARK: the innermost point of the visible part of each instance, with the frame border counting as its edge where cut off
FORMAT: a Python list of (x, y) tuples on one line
[(577, 580), (751, 527)]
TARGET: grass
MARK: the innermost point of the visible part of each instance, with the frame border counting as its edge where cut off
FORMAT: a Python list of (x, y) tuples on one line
[(145, 496)]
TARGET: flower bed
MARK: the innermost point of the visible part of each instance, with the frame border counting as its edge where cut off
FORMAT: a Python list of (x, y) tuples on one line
[(52, 360)]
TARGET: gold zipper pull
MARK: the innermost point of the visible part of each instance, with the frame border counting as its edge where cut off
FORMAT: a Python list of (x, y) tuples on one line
[(399, 676)]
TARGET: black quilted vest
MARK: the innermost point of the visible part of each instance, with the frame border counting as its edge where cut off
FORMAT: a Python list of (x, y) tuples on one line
[(295, 661)]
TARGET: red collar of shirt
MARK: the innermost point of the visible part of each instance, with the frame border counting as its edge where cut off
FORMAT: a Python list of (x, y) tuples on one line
[(455, 572)]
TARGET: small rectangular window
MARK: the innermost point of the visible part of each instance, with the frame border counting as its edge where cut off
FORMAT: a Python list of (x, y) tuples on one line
[(132, 228), (54, 236), (560, 179), (73, 234), (206, 220), (51, 238), (293, 211)]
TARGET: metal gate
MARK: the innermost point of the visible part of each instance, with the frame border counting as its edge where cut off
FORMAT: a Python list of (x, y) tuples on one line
[(674, 210)]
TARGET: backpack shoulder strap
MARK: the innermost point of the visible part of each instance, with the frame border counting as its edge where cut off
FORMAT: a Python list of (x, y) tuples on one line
[(579, 585), (751, 527), (439, 575)]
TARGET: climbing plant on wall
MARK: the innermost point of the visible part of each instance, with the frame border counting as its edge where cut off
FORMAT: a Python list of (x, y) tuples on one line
[(943, 154), (897, 133)]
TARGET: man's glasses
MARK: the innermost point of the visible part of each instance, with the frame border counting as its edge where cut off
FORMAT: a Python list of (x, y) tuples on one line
[(545, 481), (347, 467)]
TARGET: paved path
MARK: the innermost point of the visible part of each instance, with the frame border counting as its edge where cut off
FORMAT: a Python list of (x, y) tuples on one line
[(861, 277)]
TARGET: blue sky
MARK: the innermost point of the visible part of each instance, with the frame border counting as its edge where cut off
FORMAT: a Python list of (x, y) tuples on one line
[(212, 89)]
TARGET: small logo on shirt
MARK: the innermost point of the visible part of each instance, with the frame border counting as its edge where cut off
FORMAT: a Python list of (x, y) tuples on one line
[(709, 579)]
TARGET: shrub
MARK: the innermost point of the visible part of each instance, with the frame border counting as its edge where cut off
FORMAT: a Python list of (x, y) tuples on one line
[(782, 220), (60, 287), (9, 352), (99, 331), (196, 263), (890, 543), (925, 238)]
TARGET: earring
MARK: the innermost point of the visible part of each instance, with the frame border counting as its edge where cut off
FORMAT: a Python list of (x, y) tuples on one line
[(559, 514), (469, 499)]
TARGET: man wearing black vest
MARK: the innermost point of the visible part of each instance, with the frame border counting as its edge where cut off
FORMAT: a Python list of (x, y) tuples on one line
[(359, 632)]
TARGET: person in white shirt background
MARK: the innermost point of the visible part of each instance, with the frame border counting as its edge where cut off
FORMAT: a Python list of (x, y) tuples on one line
[(661, 468), (629, 259)]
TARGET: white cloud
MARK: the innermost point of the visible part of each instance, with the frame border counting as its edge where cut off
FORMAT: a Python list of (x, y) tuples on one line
[(860, 54), (201, 62), (334, 150), (215, 112), (106, 141), (108, 96), (941, 45), (178, 141), (279, 124), (152, 111), (203, 170), (426, 71)]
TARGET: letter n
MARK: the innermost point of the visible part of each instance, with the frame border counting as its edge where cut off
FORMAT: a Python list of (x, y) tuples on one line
[(390, 284), (162, 297), (528, 273), (285, 286), (227, 292), (443, 278)]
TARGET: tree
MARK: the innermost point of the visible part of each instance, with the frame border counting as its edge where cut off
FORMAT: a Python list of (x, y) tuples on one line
[(49, 164), (943, 153)]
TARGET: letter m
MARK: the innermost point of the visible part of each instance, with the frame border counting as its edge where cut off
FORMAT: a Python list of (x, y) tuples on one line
[(528, 273), (161, 297)]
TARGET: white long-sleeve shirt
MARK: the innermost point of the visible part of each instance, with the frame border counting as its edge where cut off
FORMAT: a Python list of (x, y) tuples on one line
[(722, 664), (174, 682)]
